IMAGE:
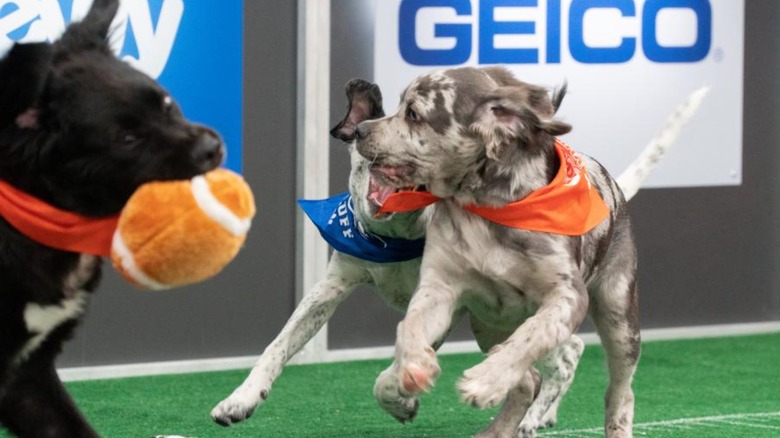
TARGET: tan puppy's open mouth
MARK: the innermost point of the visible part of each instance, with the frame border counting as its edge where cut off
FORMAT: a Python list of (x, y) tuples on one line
[(378, 192)]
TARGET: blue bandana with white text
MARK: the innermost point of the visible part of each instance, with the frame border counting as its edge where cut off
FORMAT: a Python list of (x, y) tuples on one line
[(336, 222)]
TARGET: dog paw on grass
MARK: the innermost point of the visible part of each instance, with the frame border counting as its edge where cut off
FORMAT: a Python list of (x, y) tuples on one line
[(388, 394)]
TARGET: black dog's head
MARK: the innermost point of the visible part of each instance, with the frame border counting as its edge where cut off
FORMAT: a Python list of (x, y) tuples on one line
[(83, 129)]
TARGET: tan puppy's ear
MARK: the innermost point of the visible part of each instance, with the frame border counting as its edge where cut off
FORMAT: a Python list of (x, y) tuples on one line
[(507, 119), (364, 103)]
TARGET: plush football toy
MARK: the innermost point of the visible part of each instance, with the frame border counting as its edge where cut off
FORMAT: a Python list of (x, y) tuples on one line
[(173, 233)]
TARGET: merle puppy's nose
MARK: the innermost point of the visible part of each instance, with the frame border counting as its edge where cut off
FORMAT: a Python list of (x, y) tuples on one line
[(208, 151)]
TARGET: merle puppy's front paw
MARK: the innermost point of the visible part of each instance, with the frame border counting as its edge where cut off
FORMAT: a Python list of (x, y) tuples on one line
[(486, 384), (418, 372)]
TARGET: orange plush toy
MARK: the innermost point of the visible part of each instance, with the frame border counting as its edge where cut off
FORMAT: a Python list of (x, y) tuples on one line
[(173, 233)]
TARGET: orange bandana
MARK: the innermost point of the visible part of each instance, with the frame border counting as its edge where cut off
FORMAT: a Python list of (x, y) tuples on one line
[(569, 205), (53, 227)]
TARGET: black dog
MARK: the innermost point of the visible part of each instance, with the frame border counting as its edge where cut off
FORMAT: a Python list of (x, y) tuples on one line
[(80, 130)]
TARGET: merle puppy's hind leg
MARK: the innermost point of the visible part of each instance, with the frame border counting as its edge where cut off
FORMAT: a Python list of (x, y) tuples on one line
[(617, 323)]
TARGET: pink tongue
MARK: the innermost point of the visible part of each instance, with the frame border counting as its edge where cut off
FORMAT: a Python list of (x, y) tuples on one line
[(378, 194)]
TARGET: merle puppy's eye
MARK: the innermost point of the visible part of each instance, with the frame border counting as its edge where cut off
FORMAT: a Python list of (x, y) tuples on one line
[(412, 115)]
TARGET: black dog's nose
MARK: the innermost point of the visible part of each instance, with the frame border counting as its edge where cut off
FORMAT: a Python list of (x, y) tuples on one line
[(209, 151)]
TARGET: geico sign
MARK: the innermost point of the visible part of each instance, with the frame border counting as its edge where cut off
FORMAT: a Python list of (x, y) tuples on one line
[(483, 20)]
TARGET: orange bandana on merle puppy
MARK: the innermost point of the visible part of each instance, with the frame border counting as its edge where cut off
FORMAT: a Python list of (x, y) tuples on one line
[(569, 205)]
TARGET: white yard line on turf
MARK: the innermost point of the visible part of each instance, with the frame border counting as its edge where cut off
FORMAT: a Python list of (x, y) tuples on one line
[(741, 420)]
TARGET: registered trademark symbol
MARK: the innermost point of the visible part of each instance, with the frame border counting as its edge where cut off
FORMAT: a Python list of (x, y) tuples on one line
[(717, 54)]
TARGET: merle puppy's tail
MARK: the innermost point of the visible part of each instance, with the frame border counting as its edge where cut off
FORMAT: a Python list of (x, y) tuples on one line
[(636, 172)]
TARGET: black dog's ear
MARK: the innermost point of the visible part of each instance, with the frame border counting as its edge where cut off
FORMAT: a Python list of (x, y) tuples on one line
[(92, 32), (100, 16), (24, 71), (365, 103), (510, 116)]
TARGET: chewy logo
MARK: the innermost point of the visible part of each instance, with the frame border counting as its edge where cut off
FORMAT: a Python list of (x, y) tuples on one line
[(440, 32), (135, 36)]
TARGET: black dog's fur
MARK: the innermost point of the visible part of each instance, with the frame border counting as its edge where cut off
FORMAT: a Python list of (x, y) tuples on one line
[(81, 130)]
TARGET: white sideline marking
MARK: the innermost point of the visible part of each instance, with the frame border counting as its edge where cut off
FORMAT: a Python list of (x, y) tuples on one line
[(684, 423), (246, 362), (743, 424)]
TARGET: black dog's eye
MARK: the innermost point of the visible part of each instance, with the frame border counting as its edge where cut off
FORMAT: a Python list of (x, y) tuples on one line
[(167, 103), (412, 115), (129, 138)]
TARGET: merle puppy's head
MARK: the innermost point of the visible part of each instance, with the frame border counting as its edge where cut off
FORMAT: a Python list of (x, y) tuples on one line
[(83, 129), (476, 134)]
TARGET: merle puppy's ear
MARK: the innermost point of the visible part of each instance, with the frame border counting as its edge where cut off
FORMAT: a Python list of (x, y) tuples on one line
[(557, 96), (24, 71), (365, 103), (92, 32), (511, 116)]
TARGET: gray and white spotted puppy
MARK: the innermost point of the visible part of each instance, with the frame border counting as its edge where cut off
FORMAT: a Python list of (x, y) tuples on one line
[(482, 137)]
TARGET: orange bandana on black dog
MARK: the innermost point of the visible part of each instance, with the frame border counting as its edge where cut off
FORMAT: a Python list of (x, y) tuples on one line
[(569, 205), (55, 228)]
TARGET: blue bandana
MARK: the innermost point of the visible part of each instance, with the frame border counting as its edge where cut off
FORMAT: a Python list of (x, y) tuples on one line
[(336, 222)]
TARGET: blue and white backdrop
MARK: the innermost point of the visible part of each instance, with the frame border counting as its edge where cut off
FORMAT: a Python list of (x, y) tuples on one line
[(194, 48)]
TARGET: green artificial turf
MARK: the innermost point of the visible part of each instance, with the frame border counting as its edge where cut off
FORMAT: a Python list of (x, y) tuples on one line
[(684, 389)]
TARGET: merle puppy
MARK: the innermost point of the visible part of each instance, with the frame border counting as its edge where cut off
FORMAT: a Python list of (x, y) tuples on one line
[(80, 130), (481, 137)]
